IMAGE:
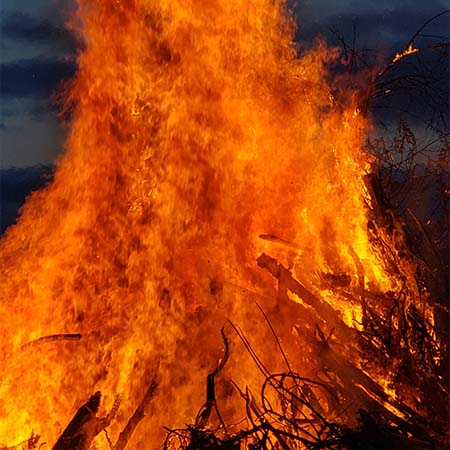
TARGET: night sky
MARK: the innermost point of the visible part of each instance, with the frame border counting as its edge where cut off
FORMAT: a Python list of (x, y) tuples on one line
[(37, 53)]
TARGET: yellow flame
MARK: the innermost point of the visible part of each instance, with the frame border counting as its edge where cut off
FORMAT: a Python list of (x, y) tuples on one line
[(408, 51)]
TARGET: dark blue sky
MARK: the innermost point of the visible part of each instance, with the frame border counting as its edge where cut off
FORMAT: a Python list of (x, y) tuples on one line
[(37, 52)]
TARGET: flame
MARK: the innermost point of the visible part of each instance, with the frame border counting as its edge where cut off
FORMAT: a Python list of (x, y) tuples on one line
[(410, 50), (195, 129)]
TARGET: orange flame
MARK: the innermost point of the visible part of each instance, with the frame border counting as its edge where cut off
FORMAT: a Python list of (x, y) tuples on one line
[(196, 128), (408, 51)]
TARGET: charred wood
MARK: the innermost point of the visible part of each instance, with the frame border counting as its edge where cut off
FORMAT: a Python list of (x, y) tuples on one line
[(138, 415), (53, 338), (205, 412), (85, 425), (287, 282)]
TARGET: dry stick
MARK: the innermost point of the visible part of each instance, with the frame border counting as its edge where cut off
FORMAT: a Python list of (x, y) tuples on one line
[(205, 412), (277, 340), (262, 368), (336, 361), (269, 377), (53, 338), (138, 415), (373, 88), (279, 345), (417, 33)]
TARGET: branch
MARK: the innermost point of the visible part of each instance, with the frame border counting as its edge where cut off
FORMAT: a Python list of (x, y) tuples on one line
[(205, 411), (138, 415), (288, 282), (52, 338)]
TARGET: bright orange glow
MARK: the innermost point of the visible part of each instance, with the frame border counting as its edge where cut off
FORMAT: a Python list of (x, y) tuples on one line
[(408, 51), (196, 128)]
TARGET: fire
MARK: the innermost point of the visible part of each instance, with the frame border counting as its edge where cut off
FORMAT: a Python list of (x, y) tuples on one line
[(408, 51), (196, 128)]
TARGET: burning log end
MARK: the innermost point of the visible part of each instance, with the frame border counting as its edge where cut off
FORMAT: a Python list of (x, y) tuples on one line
[(271, 264), (53, 338), (277, 240), (78, 435), (85, 425)]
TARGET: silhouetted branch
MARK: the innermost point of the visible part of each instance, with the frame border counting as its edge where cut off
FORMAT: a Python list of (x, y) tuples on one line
[(52, 338), (138, 415)]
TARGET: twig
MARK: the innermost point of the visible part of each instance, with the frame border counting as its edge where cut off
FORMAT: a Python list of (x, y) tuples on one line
[(417, 33), (263, 369), (205, 411), (277, 340)]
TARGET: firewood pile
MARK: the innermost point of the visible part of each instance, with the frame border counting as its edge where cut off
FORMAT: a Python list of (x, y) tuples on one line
[(396, 342), (395, 339)]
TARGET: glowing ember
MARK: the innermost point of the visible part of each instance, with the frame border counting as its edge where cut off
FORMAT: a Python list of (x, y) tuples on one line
[(195, 129)]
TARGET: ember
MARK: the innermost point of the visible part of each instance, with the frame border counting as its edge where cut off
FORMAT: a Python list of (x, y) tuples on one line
[(211, 180)]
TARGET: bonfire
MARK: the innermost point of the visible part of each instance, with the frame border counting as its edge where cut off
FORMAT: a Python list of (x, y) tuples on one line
[(212, 265)]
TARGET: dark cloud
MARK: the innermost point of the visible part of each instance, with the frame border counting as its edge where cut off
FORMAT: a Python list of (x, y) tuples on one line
[(6, 112), (15, 185), (23, 27), (417, 88), (384, 31), (34, 77)]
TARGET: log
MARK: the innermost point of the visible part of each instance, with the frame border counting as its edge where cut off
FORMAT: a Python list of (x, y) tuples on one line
[(85, 425), (288, 282), (138, 415)]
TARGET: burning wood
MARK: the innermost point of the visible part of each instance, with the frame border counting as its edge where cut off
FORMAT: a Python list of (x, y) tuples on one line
[(85, 425), (205, 412), (52, 338), (189, 136), (138, 415)]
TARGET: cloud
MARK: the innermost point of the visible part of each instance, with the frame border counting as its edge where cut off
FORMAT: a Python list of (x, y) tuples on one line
[(384, 28), (417, 88), (322, 10), (34, 77), (15, 185), (23, 27), (29, 141)]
